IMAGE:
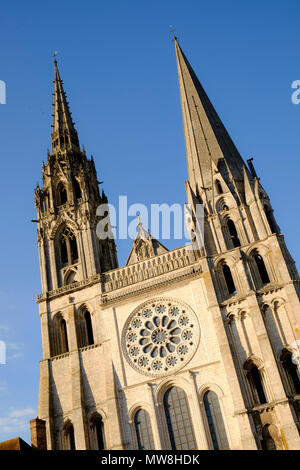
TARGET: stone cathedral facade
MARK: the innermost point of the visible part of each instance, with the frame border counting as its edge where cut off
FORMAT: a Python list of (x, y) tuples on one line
[(180, 349)]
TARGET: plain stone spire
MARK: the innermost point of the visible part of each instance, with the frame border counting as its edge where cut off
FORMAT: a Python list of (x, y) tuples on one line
[(206, 138)]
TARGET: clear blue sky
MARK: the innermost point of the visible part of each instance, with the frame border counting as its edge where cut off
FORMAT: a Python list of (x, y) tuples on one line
[(118, 64)]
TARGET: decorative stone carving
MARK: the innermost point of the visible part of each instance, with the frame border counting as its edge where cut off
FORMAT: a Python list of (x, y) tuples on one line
[(160, 336)]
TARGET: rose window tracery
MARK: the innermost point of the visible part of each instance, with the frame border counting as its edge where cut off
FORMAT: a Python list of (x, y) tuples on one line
[(160, 336)]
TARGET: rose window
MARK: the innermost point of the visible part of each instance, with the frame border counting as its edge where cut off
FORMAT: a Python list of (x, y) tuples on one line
[(160, 336)]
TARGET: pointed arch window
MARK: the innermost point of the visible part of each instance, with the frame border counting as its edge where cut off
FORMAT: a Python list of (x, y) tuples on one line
[(215, 421), (88, 328), (60, 335), (97, 432), (291, 371), (84, 328), (228, 279), (255, 381), (178, 418), (68, 247), (143, 430), (233, 233), (68, 436), (64, 335), (261, 268), (62, 194)]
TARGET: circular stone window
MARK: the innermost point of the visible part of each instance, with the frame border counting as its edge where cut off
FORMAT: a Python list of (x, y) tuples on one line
[(160, 336)]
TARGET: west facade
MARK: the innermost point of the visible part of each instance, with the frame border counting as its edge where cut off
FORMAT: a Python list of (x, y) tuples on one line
[(180, 349)]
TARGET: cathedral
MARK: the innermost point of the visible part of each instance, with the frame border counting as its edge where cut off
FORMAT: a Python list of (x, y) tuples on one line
[(178, 349)]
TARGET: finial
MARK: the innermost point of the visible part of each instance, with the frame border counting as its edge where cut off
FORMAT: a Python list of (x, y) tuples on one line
[(139, 219), (54, 55), (172, 31)]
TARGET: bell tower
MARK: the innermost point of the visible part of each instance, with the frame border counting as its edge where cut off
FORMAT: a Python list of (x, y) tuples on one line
[(254, 278), (66, 206)]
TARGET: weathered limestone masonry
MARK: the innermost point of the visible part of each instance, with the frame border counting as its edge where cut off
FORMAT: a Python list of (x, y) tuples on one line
[(181, 349)]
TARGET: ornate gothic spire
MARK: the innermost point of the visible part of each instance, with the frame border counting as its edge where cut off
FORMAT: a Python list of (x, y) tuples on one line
[(206, 138), (64, 135)]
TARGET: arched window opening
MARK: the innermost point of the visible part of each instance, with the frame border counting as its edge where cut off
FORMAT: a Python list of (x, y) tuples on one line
[(62, 194), (233, 233), (219, 187), (267, 442), (291, 370), (68, 437), (77, 189), (68, 247), (97, 431), (228, 279), (143, 430), (60, 336), (88, 328), (64, 336), (270, 218), (261, 268), (256, 385), (225, 207), (215, 421), (179, 420)]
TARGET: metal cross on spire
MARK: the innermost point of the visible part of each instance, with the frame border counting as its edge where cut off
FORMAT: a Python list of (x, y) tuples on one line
[(172, 30)]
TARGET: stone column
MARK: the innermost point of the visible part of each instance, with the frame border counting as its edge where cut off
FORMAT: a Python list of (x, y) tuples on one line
[(199, 431), (156, 427)]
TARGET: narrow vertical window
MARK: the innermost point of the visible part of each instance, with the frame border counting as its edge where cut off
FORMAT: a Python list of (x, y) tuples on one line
[(233, 233), (143, 430), (61, 194), (270, 219), (219, 187), (88, 328), (68, 247), (68, 437), (291, 371), (97, 433), (63, 252), (228, 279), (256, 385), (178, 418), (64, 336), (261, 269), (59, 335), (73, 249), (215, 421), (77, 189)]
